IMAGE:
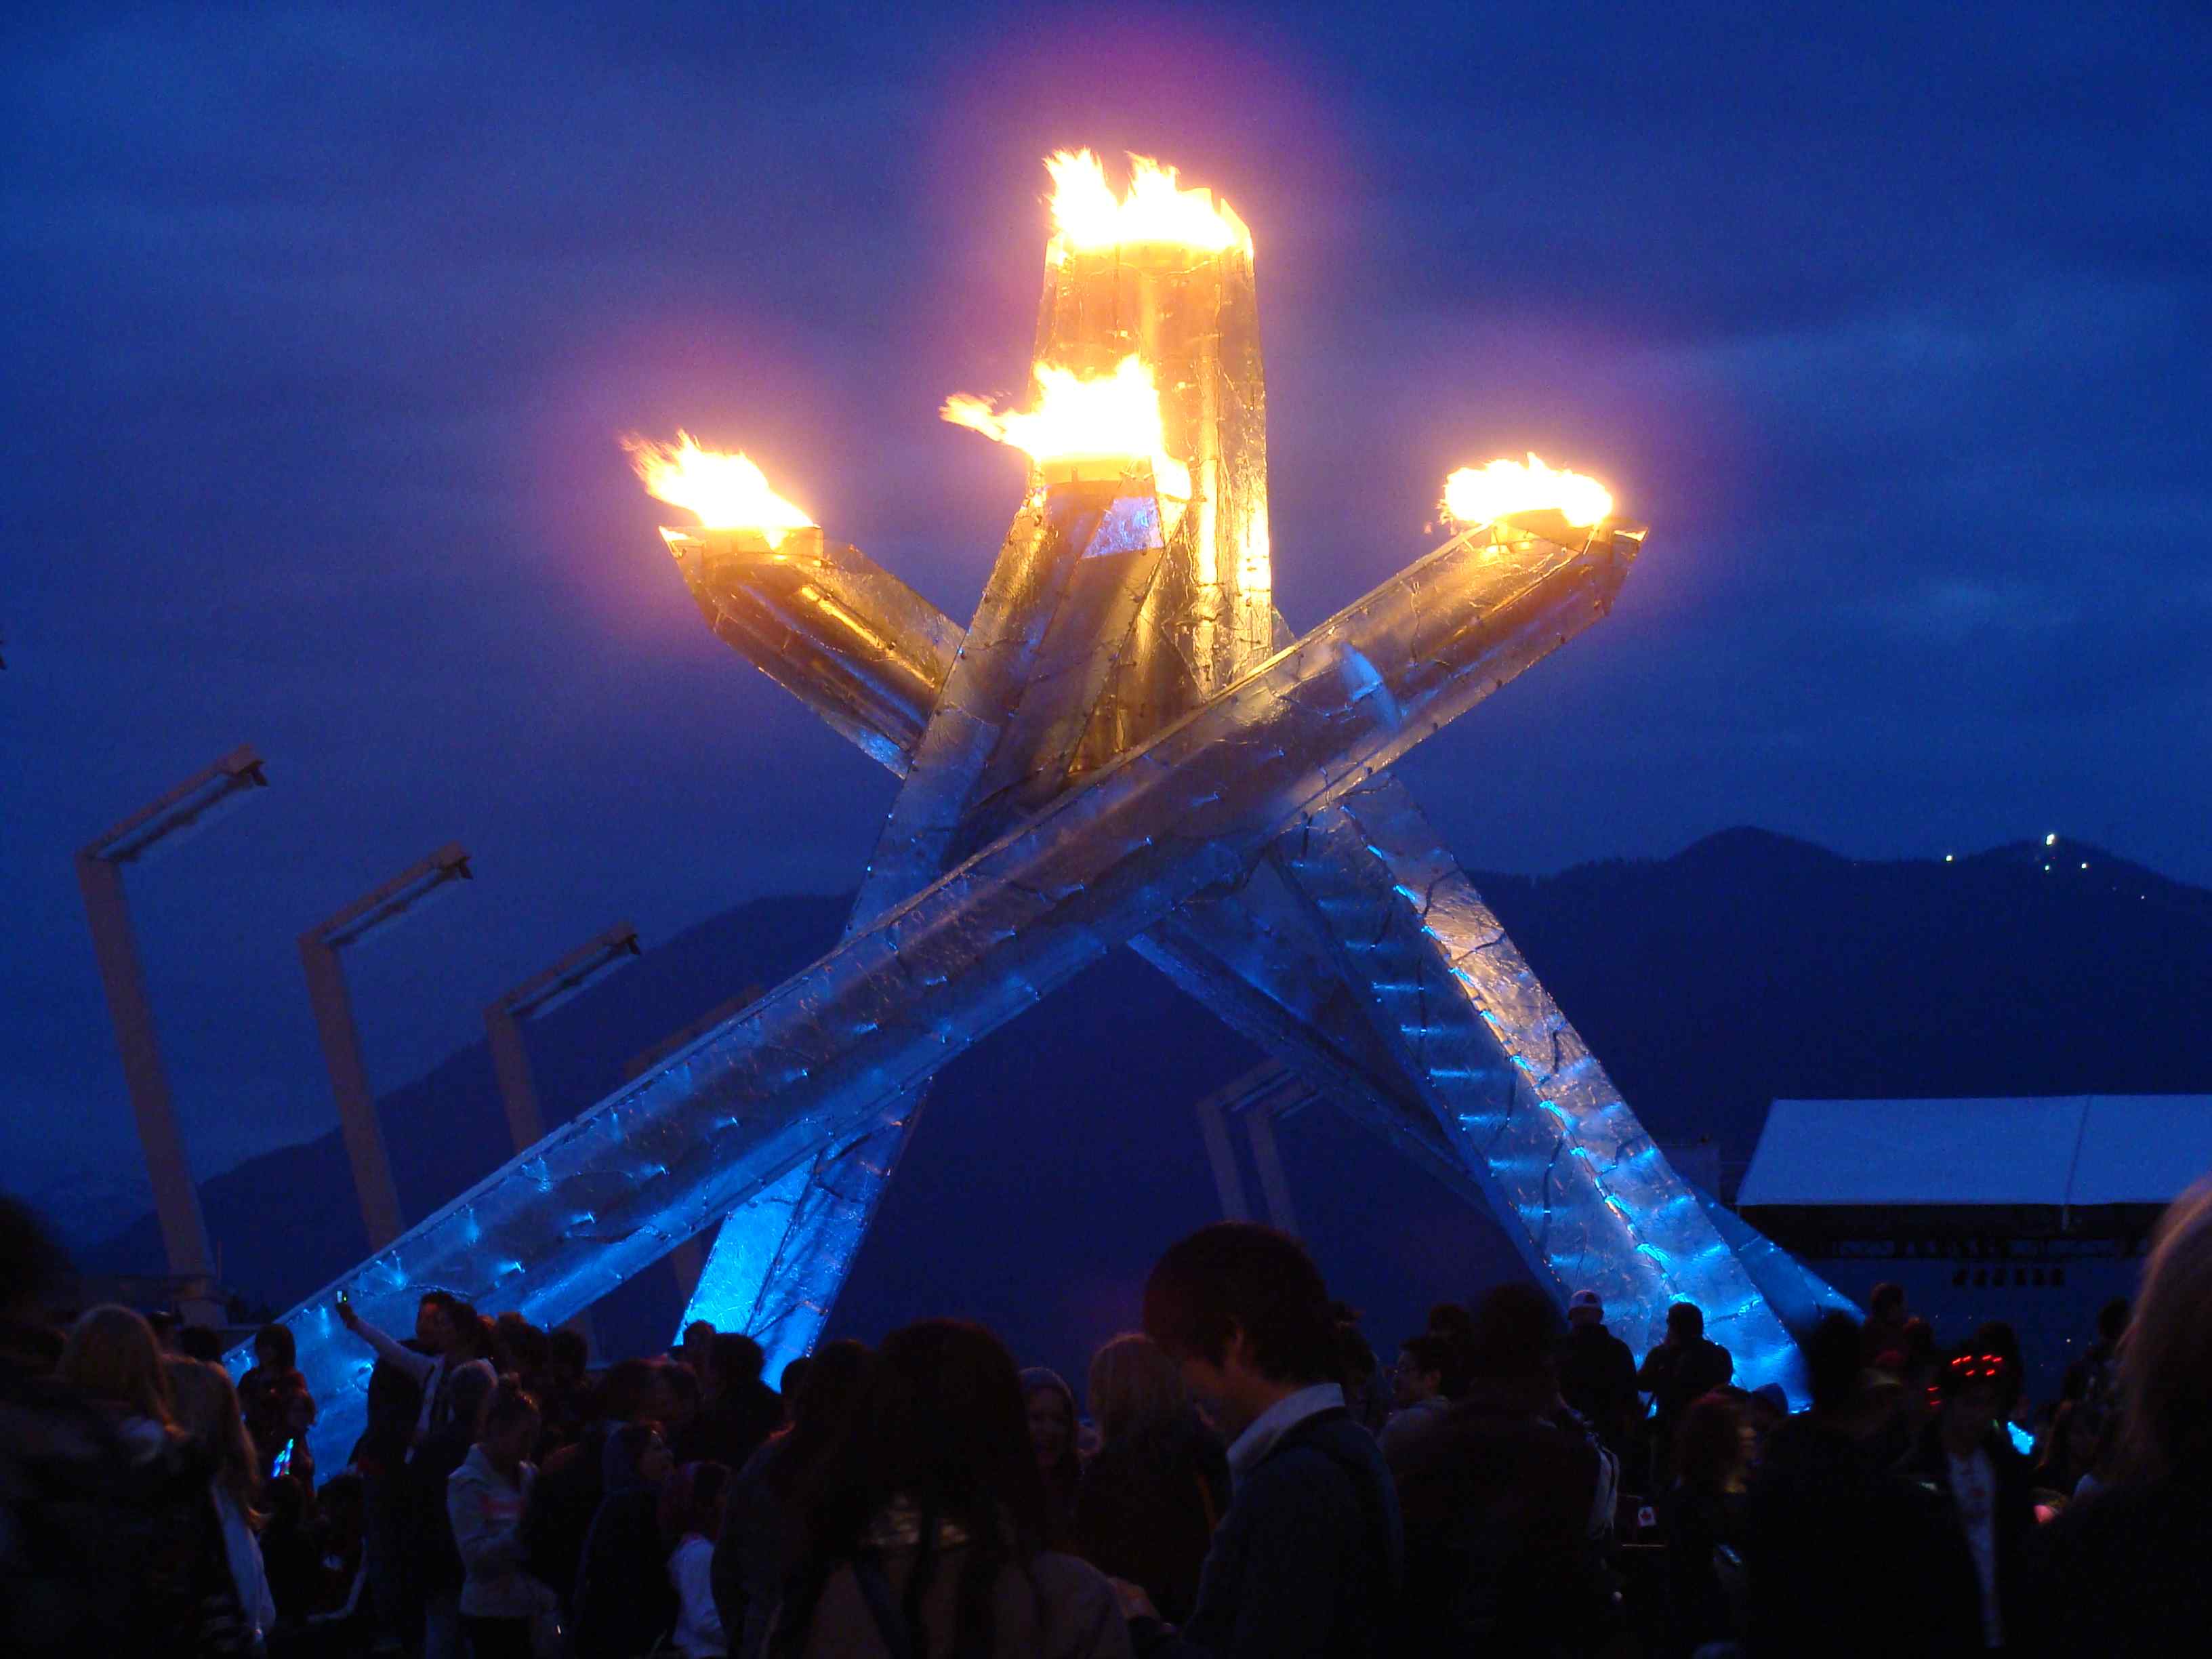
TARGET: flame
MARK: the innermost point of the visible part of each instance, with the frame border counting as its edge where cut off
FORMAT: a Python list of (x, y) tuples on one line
[(1085, 215), (1485, 495), (1103, 418), (728, 492)]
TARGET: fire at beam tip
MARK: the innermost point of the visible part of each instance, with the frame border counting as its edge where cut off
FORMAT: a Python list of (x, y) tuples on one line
[(1479, 495), (726, 491)]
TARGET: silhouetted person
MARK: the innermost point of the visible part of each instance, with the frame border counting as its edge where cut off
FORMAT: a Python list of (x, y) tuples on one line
[(1159, 1484), (215, 1433), (1834, 1543), (1309, 1559), (1684, 1364), (1049, 1405), (740, 1411), (438, 1572), (485, 1500), (567, 1494), (73, 1533), (1497, 1500), (1423, 1385), (1965, 1454), (625, 1601), (1886, 1318), (182, 1568), (763, 1528), (1702, 1517), (2124, 1570), (1598, 1373), (568, 1405), (691, 1517), (928, 1539), (273, 1395)]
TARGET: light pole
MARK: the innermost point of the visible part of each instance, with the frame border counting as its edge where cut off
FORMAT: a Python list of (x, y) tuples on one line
[(100, 877), (341, 1038), (510, 1055)]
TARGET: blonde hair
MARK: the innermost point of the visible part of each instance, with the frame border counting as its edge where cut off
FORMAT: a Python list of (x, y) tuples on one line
[(207, 1411), (2166, 1354), (112, 1357), (1133, 1385)]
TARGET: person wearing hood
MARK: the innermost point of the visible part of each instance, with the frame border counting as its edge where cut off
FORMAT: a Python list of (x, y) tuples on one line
[(1049, 1405), (485, 1498), (624, 1602)]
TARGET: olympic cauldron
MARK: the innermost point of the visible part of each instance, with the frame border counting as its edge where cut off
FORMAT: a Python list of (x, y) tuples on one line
[(1127, 744)]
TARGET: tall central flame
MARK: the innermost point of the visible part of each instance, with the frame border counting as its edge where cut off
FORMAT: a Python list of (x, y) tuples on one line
[(727, 491), (1485, 495), (1103, 418), (1086, 214)]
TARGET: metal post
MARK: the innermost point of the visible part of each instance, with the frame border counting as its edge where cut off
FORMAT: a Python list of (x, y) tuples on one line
[(341, 1038), (357, 1120), (517, 1087), (176, 1197), (503, 1017), (107, 914)]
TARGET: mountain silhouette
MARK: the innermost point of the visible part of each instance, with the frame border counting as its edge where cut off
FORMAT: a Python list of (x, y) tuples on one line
[(1060, 1154)]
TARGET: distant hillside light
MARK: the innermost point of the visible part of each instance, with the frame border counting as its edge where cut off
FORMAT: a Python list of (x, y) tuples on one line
[(2051, 840)]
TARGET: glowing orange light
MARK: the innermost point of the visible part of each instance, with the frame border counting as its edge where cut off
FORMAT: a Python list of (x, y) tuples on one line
[(1106, 418), (1086, 214), (1485, 495), (727, 491)]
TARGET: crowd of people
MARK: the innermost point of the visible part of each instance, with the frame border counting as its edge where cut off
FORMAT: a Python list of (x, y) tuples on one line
[(1239, 1479)]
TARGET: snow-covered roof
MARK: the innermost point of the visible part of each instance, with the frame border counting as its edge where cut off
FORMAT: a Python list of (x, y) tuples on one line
[(2054, 1149)]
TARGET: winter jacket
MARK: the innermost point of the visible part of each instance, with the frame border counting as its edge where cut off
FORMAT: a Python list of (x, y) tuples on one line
[(1309, 1559), (625, 1601), (2012, 1507), (1597, 1378), (1821, 1524), (1676, 1373), (486, 1509)]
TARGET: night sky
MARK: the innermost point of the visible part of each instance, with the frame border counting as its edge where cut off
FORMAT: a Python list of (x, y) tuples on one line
[(323, 325)]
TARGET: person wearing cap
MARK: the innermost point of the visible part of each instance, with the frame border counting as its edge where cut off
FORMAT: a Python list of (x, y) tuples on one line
[(1964, 1456), (1686, 1364), (1598, 1373)]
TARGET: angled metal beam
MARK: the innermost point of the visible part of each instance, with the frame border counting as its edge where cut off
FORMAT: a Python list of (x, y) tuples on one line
[(833, 1047)]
